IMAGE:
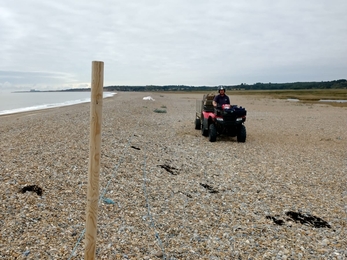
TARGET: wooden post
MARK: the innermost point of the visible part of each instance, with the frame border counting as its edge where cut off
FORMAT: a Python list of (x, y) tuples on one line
[(94, 159)]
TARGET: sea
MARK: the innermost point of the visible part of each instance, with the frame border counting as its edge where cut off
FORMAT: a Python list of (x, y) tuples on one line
[(16, 102)]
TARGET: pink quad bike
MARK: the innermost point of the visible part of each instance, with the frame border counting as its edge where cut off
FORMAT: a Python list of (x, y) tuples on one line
[(225, 120)]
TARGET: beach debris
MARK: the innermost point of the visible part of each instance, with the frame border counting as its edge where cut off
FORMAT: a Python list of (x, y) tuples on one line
[(279, 222), (136, 148), (307, 219), (149, 98), (169, 168), (159, 110), (187, 194), (33, 188), (209, 188), (108, 201), (26, 253)]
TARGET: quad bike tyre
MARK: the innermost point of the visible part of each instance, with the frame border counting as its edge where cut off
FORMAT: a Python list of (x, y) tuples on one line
[(241, 135), (197, 123), (204, 132), (212, 133)]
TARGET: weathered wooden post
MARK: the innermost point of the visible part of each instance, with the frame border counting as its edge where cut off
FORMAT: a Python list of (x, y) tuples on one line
[(94, 158)]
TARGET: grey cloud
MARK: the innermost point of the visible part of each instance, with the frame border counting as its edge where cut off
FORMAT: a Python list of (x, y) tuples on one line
[(15, 77), (173, 42)]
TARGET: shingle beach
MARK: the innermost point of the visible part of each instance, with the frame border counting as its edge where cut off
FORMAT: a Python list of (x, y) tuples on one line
[(166, 191)]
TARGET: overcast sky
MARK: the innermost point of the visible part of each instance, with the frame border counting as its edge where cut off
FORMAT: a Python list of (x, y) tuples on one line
[(51, 44)]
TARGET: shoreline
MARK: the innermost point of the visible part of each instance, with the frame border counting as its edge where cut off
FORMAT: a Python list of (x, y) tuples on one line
[(36, 111)]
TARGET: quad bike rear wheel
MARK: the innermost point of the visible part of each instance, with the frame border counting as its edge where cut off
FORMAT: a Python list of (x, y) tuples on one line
[(197, 123)]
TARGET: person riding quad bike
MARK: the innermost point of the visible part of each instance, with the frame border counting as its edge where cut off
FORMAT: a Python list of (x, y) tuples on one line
[(221, 98), (221, 118)]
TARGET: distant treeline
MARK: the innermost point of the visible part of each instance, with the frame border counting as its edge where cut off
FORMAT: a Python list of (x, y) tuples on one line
[(335, 84)]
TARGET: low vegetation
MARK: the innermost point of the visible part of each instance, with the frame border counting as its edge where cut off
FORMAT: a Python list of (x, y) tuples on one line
[(334, 84), (159, 110), (306, 95)]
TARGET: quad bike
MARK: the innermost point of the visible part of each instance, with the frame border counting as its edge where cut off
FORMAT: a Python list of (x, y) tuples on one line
[(225, 120)]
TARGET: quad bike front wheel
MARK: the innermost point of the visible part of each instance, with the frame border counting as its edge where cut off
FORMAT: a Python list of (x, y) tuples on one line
[(241, 135), (204, 132), (212, 135)]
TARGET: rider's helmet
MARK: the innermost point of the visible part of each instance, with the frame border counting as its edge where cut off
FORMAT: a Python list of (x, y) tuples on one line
[(221, 88)]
